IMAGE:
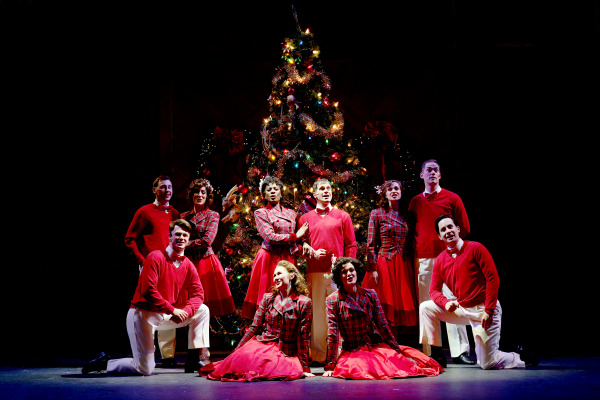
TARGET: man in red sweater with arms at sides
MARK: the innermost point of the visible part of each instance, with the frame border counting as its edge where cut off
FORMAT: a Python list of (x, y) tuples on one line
[(467, 268), (424, 209), (330, 234), (169, 295), (149, 231)]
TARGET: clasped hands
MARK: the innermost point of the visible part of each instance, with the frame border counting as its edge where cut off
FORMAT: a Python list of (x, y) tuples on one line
[(486, 321)]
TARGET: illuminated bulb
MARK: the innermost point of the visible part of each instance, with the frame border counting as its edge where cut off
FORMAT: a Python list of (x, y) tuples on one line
[(307, 31)]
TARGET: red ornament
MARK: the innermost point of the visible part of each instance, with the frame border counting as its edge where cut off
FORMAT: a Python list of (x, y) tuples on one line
[(243, 189), (229, 251)]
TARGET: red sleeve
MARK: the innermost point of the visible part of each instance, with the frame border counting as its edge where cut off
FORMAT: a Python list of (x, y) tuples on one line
[(135, 229), (304, 337), (372, 241), (460, 215), (349, 237), (148, 285), (492, 280), (194, 289), (333, 339)]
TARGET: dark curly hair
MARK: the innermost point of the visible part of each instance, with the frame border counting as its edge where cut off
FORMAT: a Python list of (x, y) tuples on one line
[(336, 270), (268, 180)]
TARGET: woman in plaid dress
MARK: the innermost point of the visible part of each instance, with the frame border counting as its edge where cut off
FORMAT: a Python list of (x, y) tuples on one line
[(277, 343), (277, 226), (205, 223), (369, 351), (390, 271)]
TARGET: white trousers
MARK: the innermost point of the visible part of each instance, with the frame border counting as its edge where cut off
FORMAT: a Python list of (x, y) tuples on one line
[(320, 287), (486, 341), (458, 340), (141, 325)]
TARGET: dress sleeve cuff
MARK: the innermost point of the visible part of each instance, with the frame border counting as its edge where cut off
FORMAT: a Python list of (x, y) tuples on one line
[(293, 238)]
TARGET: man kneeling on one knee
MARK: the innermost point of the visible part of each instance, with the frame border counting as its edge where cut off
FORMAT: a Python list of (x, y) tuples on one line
[(467, 268), (168, 295)]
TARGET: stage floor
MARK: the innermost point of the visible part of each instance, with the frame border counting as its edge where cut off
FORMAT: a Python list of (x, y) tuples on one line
[(554, 378)]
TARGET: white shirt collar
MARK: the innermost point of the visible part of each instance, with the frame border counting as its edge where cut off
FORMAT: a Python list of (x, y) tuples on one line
[(170, 252)]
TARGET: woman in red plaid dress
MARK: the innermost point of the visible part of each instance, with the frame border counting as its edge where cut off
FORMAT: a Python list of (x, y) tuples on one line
[(277, 226), (390, 271), (277, 343), (369, 351), (205, 223)]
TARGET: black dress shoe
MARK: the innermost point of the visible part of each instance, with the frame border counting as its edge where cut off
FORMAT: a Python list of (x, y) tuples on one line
[(169, 363), (462, 359), (97, 364), (527, 356)]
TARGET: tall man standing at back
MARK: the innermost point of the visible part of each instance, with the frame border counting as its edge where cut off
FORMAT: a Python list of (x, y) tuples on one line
[(425, 208), (330, 234), (149, 231)]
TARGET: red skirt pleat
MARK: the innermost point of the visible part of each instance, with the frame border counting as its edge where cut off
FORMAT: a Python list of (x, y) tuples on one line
[(255, 361), (396, 290), (217, 295), (382, 362), (261, 279)]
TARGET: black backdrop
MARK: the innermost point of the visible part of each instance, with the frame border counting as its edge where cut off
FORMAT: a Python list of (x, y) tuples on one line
[(100, 97)]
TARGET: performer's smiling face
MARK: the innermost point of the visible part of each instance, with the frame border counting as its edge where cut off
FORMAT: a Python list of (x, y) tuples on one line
[(163, 191), (179, 239), (449, 232), (272, 193), (282, 278)]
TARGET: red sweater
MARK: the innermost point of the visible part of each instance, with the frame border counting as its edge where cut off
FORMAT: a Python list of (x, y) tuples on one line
[(333, 232), (471, 276), (149, 230), (162, 286), (425, 212)]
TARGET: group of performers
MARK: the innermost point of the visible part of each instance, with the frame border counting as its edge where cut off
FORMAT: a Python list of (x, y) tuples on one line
[(342, 315)]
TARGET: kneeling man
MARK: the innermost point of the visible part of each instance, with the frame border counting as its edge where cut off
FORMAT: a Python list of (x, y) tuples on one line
[(169, 295), (467, 268)]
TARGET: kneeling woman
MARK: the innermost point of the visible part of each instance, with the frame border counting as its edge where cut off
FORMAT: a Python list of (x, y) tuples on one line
[(369, 351), (276, 344)]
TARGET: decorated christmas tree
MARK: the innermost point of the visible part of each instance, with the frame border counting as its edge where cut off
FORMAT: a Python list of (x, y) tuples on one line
[(302, 139)]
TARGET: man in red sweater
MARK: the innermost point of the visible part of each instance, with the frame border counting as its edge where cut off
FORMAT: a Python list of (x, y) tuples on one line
[(330, 234), (149, 231), (467, 268), (169, 295), (424, 209)]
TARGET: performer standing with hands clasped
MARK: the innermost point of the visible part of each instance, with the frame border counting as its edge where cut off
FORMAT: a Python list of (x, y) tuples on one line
[(330, 234), (424, 209), (276, 225), (389, 271), (369, 351), (276, 344)]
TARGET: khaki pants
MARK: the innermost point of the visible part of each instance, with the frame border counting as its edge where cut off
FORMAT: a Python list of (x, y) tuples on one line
[(458, 340), (141, 325), (320, 288), (486, 341)]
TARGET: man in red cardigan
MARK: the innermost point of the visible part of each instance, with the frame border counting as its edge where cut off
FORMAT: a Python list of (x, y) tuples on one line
[(149, 231), (169, 295), (467, 268), (330, 234), (424, 209)]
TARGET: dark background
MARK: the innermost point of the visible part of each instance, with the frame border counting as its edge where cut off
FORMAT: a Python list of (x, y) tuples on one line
[(98, 98)]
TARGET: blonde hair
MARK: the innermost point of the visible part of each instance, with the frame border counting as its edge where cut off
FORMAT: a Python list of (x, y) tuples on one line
[(298, 283)]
